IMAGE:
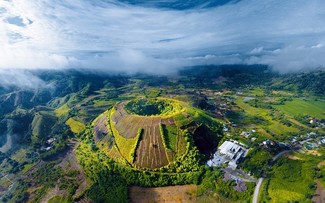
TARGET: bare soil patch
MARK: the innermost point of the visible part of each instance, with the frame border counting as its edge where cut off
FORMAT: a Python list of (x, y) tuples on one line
[(170, 194), (100, 128), (292, 157), (319, 197), (69, 162), (313, 152), (320, 164)]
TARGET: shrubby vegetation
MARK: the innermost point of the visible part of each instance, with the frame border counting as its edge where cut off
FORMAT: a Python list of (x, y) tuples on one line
[(257, 162), (19, 193), (292, 180), (138, 139), (212, 183), (170, 137)]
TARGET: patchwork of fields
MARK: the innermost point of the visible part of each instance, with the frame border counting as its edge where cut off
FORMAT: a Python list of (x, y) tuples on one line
[(146, 150)]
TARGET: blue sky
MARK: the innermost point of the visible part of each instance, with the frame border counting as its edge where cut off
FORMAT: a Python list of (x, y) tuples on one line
[(160, 37)]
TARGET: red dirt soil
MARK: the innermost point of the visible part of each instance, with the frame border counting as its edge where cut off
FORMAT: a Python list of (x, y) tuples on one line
[(171, 194), (319, 197)]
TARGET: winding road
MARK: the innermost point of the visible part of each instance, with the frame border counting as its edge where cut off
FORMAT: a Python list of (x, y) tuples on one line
[(257, 190), (260, 180)]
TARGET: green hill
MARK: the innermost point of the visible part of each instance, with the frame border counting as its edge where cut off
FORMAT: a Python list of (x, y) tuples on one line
[(155, 133)]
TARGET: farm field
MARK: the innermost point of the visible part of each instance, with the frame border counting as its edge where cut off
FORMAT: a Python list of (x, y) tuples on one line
[(64, 109), (128, 125), (270, 124), (151, 153), (75, 126), (150, 141), (305, 107), (184, 193)]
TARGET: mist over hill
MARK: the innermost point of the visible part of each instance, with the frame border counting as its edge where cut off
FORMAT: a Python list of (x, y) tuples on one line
[(20, 104), (100, 99)]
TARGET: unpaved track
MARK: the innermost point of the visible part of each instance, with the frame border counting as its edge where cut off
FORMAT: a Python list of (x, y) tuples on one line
[(257, 190)]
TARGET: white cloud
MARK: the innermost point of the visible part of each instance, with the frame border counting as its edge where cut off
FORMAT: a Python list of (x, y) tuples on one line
[(106, 35), (20, 78), (293, 58)]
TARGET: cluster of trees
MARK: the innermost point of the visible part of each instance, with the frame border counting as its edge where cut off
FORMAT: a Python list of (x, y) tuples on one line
[(2, 156), (57, 149), (148, 107), (110, 187)]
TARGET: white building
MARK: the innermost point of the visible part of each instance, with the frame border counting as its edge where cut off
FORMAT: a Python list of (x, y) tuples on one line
[(234, 151), (230, 152)]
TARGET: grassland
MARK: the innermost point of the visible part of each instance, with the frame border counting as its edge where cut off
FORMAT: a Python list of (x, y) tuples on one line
[(263, 120), (58, 199), (305, 107), (171, 136), (20, 155), (125, 145), (62, 110), (75, 126), (41, 126), (257, 92)]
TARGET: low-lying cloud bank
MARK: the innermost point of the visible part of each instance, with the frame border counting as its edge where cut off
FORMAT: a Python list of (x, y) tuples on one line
[(112, 36)]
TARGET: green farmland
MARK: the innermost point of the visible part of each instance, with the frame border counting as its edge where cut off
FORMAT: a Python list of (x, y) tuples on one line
[(305, 107)]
